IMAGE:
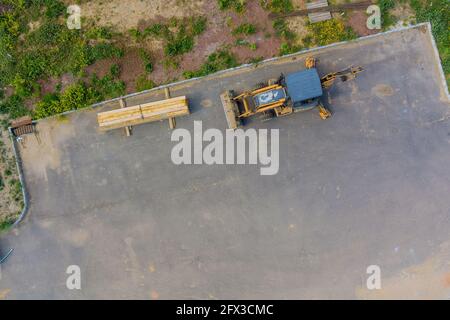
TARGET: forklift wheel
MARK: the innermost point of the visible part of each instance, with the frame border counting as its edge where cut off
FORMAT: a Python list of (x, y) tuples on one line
[(260, 86), (272, 82), (266, 116), (324, 113)]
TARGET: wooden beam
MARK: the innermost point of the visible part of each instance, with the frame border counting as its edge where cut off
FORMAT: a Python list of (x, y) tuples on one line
[(172, 122), (127, 128)]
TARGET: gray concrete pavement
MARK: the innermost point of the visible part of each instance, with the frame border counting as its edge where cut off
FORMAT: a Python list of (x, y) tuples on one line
[(369, 186)]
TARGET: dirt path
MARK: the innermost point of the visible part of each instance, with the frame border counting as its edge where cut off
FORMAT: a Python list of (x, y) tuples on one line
[(124, 15)]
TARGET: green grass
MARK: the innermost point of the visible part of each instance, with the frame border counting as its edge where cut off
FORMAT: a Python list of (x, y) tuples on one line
[(282, 30), (81, 95), (182, 42), (438, 13), (146, 59), (51, 50), (178, 34), (14, 106), (198, 25), (142, 83), (288, 48), (386, 19), (104, 51), (244, 29), (237, 5), (6, 224), (157, 30)]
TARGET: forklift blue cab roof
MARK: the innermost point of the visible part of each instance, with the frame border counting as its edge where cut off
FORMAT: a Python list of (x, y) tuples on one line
[(303, 85)]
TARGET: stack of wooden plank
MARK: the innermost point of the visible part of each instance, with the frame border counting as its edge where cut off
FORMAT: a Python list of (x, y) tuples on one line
[(143, 113), (318, 16), (21, 126)]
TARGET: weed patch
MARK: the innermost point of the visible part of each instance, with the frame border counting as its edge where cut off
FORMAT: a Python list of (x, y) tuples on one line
[(330, 31), (244, 29), (220, 60), (236, 5)]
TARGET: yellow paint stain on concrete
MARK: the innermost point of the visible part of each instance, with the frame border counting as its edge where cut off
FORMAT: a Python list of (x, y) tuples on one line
[(52, 133), (383, 90), (206, 103), (154, 295), (427, 280), (4, 293), (151, 268)]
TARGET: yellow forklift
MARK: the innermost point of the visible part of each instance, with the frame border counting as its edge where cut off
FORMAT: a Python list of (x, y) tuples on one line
[(295, 92)]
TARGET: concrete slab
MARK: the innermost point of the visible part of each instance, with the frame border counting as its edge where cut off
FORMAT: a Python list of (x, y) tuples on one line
[(368, 187)]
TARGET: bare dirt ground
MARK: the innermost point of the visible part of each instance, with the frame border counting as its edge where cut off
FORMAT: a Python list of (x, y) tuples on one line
[(9, 207), (429, 279), (403, 13), (122, 16), (357, 21), (141, 14)]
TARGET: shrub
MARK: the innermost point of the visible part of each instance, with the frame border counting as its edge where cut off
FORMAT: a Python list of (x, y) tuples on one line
[(245, 29), (330, 31), (282, 30), (135, 34), (99, 33), (14, 106), (105, 88), (255, 59), (386, 5), (146, 59), (76, 96), (79, 58), (277, 6), (157, 30), (33, 65), (47, 34), (198, 25), (179, 44), (105, 51), (242, 42), (114, 70), (54, 9), (222, 59), (6, 224), (181, 41), (237, 5), (21, 86), (287, 48), (142, 83)]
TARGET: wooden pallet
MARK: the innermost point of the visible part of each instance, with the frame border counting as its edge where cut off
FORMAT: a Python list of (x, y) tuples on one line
[(143, 113), (318, 16), (362, 5), (22, 126)]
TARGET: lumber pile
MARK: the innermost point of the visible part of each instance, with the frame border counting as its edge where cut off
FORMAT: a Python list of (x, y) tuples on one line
[(143, 113)]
